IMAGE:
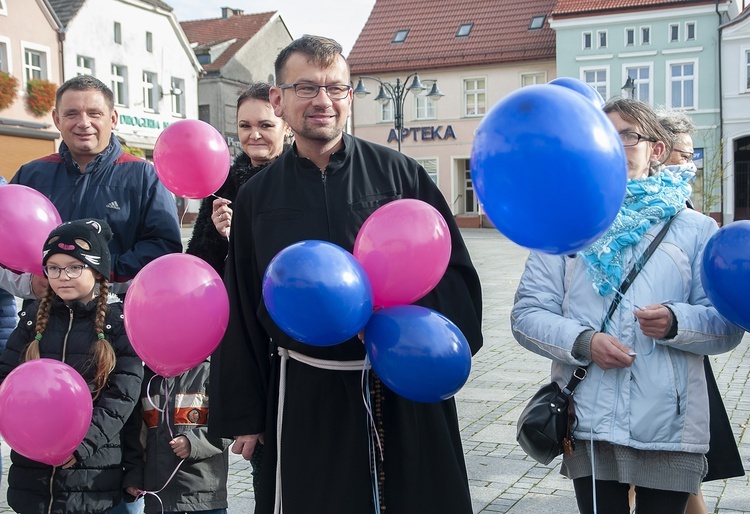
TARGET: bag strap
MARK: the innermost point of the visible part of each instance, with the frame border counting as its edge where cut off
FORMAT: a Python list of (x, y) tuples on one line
[(580, 372)]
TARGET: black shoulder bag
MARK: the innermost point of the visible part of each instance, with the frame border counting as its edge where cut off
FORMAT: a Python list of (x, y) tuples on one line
[(545, 427)]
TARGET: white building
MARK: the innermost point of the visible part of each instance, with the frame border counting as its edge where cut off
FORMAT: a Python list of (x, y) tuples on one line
[(138, 48)]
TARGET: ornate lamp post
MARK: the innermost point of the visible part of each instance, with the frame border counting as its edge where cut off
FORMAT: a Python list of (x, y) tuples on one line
[(629, 87), (397, 94)]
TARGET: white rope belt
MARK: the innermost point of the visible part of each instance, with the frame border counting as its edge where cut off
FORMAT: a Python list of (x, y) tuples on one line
[(285, 354)]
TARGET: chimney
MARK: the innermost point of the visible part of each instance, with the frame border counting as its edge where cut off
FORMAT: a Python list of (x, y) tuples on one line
[(228, 12)]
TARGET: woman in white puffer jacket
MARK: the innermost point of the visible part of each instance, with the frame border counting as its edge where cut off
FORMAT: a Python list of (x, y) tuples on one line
[(644, 403)]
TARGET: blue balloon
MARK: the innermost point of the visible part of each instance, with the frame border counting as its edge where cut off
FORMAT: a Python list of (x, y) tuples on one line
[(317, 293), (582, 87), (417, 352), (725, 272), (549, 169)]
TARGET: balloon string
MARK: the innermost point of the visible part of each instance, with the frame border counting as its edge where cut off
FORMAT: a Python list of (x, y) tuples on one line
[(164, 410), (366, 398), (186, 201), (155, 494), (616, 290), (373, 443)]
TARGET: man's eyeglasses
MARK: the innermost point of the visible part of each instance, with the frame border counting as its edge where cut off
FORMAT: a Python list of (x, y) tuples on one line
[(633, 138), (686, 156), (72, 271), (304, 90)]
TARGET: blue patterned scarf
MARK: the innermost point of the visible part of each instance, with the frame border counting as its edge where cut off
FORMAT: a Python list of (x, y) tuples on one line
[(648, 201)]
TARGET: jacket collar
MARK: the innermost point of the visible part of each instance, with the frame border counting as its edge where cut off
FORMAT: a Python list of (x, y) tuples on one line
[(107, 157)]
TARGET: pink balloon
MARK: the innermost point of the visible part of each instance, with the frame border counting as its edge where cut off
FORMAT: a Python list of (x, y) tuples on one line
[(26, 219), (176, 312), (191, 158), (405, 247), (45, 410)]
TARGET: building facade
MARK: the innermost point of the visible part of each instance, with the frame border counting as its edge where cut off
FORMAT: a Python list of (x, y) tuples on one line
[(669, 51), (29, 49), (234, 50), (476, 52), (735, 128), (138, 48)]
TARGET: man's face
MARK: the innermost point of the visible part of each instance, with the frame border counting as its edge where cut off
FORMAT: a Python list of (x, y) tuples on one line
[(318, 119), (85, 122), (682, 153)]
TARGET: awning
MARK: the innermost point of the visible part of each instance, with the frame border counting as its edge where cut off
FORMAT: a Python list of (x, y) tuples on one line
[(136, 141)]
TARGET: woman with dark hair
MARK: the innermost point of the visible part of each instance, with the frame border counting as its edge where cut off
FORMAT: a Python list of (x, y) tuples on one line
[(263, 136)]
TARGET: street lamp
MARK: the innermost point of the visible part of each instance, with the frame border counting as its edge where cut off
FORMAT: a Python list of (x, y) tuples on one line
[(397, 94), (629, 87)]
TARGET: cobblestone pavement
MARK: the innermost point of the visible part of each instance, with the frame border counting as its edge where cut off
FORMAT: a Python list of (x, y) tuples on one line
[(503, 378)]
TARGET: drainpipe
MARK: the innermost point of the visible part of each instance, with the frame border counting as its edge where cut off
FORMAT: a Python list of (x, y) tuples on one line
[(721, 120)]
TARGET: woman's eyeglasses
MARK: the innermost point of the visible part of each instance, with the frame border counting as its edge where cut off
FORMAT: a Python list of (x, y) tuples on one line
[(633, 138)]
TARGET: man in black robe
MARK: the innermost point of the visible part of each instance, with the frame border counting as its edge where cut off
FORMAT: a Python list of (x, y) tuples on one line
[(325, 189)]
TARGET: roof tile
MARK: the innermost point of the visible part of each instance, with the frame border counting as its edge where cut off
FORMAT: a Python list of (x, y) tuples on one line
[(239, 27), (500, 34), (579, 7)]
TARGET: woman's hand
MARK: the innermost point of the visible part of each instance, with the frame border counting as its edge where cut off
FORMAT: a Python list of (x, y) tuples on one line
[(180, 446), (655, 320), (222, 216), (245, 444), (609, 353), (68, 463)]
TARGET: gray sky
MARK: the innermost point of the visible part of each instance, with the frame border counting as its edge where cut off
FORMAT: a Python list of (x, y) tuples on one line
[(341, 20)]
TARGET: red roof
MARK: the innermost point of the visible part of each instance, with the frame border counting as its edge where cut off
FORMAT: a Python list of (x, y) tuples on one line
[(214, 31), (500, 34), (565, 8)]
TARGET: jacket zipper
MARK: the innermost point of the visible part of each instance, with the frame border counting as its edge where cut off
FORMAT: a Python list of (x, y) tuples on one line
[(65, 341), (676, 379), (325, 199), (64, 351)]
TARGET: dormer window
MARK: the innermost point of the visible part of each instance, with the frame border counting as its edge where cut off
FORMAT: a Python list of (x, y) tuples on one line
[(464, 30), (400, 36), (537, 22)]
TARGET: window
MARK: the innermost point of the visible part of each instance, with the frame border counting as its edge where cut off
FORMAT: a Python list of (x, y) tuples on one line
[(586, 38), (177, 93), (641, 76), (475, 97), (629, 37), (120, 84), (34, 64), (149, 42), (464, 30), (601, 38), (3, 8), (424, 106), (596, 78), (400, 36), (747, 69), (690, 31), (537, 22), (386, 111), (682, 85), (204, 113), (431, 167), (118, 33), (645, 35), (204, 58), (84, 65), (149, 91), (674, 33), (529, 79), (4, 62)]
